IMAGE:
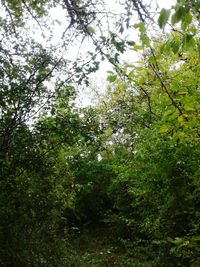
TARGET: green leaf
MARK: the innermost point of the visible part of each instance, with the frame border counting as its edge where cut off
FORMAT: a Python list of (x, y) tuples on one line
[(174, 46), (137, 47), (188, 40), (179, 136), (180, 13), (163, 18), (187, 21), (145, 40), (112, 78), (164, 129), (131, 74), (140, 26), (189, 108), (90, 29), (168, 112), (173, 19), (181, 119)]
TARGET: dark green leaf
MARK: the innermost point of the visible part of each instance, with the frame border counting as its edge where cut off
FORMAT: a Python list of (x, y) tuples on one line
[(163, 18)]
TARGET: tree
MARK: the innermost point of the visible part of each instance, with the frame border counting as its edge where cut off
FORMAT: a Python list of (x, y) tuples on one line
[(159, 180)]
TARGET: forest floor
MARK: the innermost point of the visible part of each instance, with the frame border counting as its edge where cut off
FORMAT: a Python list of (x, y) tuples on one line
[(95, 246)]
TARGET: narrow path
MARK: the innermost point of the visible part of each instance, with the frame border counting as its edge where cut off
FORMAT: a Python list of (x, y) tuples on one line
[(94, 247)]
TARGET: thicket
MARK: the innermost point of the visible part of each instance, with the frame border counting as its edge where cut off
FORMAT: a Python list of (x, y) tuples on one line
[(124, 172)]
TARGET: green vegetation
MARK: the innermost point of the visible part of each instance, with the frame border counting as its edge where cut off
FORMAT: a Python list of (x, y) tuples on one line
[(116, 184)]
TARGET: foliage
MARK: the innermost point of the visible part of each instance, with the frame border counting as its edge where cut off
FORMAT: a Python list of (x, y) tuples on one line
[(155, 187), (122, 178)]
